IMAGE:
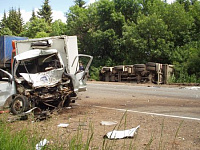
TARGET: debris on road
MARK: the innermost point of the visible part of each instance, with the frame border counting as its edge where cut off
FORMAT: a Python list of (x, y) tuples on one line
[(122, 134), (41, 144), (108, 123), (63, 125), (191, 88)]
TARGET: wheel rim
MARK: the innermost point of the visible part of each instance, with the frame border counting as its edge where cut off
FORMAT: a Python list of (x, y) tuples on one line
[(18, 105)]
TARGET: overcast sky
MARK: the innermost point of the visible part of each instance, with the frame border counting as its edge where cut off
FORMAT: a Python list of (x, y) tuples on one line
[(59, 7)]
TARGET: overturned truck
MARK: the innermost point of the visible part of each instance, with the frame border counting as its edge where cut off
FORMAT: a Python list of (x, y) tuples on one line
[(150, 72), (45, 74)]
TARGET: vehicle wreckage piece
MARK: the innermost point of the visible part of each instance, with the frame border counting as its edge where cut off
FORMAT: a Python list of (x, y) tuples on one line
[(121, 134), (45, 74), (40, 80)]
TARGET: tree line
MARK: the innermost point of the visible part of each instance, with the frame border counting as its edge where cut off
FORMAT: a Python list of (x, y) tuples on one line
[(127, 32)]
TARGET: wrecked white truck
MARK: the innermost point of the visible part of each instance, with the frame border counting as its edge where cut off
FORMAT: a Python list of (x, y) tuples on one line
[(45, 74)]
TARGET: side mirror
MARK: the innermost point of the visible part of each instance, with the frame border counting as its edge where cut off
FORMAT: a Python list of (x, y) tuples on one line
[(10, 78)]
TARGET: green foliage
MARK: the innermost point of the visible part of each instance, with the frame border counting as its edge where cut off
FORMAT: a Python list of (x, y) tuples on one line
[(187, 60), (119, 32), (58, 28), (19, 140), (5, 31), (11, 24), (41, 34), (45, 12), (94, 74), (80, 3), (33, 16), (36, 25)]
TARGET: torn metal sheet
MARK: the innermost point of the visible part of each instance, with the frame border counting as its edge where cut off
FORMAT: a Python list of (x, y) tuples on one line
[(63, 125), (108, 123), (49, 78), (122, 134), (33, 109), (41, 144)]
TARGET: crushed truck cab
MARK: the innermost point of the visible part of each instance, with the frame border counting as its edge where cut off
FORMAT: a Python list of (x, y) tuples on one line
[(46, 74)]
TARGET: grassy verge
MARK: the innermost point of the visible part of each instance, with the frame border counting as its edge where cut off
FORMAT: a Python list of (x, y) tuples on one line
[(25, 138)]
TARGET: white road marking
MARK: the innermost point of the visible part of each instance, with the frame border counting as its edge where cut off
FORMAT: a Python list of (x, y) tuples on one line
[(149, 113)]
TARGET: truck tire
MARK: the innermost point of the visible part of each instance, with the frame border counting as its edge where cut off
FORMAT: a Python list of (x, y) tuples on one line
[(139, 69), (106, 69), (119, 67), (19, 105), (150, 68), (152, 64), (139, 66)]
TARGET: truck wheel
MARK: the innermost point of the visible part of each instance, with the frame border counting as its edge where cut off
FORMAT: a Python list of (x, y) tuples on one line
[(152, 64), (119, 67), (149, 68), (139, 66), (139, 69), (19, 104)]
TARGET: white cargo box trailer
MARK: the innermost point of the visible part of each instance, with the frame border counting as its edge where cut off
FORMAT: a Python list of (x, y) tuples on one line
[(66, 46)]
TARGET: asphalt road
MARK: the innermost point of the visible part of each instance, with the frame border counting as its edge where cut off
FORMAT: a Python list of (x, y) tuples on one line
[(169, 101)]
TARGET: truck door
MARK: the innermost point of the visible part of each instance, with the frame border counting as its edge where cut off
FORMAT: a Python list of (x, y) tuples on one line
[(6, 88), (82, 70)]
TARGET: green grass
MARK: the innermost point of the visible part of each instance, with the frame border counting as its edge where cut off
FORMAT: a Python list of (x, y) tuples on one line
[(16, 140)]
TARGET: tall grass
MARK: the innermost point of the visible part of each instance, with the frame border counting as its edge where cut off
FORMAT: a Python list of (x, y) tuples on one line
[(15, 140)]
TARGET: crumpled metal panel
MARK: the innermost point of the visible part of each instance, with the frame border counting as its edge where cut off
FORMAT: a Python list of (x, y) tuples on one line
[(44, 79)]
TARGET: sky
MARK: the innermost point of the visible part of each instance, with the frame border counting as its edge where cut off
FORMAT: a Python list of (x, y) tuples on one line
[(59, 7)]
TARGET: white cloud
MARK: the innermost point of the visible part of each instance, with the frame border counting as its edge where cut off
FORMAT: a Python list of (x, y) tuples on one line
[(1, 16), (90, 2), (59, 15), (26, 15)]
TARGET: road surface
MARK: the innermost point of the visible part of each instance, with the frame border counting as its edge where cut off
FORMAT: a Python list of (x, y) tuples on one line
[(166, 100)]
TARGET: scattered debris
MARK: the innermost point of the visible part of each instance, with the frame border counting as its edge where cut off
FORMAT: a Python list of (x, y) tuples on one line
[(4, 111), (38, 115), (22, 116), (191, 88), (108, 123), (63, 125), (36, 110), (122, 134), (41, 144), (68, 107)]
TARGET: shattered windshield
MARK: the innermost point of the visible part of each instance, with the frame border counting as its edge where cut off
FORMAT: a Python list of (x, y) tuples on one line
[(38, 64)]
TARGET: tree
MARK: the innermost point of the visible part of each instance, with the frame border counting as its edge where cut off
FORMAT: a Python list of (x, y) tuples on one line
[(45, 12), (3, 23), (37, 25), (33, 16), (179, 23), (80, 3), (58, 28), (129, 8), (15, 21), (5, 31), (195, 13)]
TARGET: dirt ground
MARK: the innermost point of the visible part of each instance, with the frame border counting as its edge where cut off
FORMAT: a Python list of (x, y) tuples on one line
[(84, 117)]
